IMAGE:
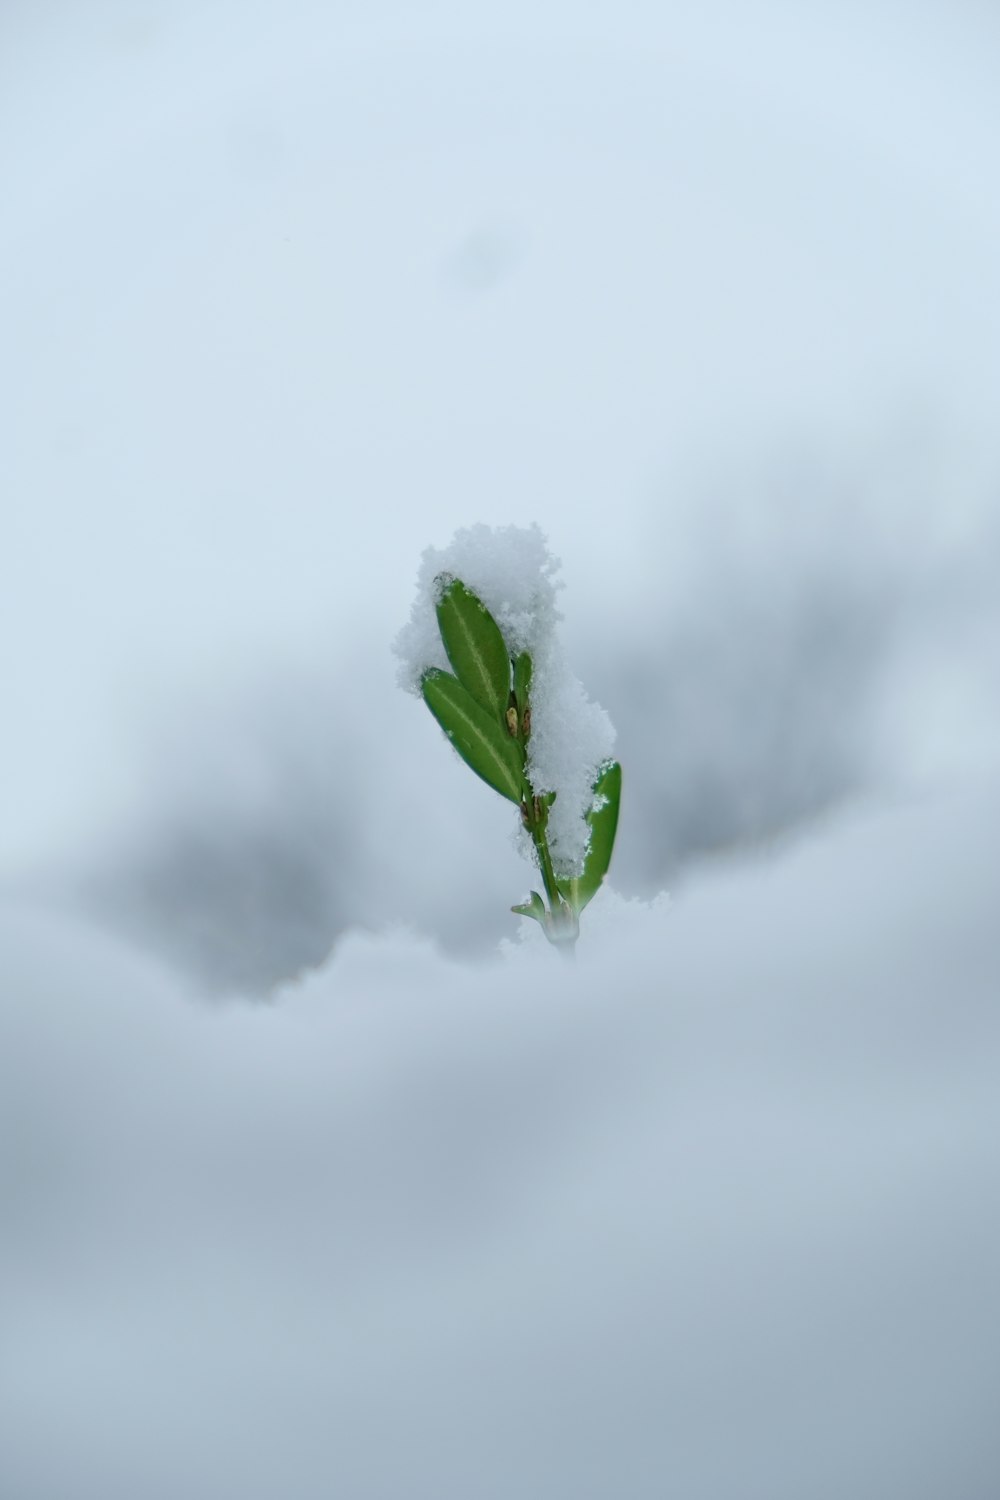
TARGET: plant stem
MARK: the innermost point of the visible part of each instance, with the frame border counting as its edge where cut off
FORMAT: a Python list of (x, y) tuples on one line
[(562, 928), (545, 862)]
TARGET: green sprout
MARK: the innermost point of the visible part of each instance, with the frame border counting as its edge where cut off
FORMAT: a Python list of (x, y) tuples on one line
[(484, 708)]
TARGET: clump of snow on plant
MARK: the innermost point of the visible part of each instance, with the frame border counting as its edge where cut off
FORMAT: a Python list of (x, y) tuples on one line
[(512, 571)]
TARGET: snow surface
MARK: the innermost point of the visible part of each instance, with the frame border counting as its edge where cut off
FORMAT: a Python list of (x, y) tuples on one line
[(512, 571), (714, 1212), (709, 294)]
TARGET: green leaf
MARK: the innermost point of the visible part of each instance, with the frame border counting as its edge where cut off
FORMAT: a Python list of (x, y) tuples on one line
[(476, 649), (522, 690), (603, 822), (533, 908), (482, 743)]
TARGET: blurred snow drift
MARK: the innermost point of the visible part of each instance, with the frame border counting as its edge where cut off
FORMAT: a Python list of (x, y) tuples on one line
[(708, 295), (716, 1214)]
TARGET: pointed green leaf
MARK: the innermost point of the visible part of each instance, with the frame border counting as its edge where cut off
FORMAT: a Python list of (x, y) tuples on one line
[(475, 647), (533, 908), (522, 678), (522, 692), (482, 743), (603, 822)]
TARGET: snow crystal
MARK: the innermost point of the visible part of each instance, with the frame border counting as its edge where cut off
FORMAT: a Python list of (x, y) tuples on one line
[(512, 571)]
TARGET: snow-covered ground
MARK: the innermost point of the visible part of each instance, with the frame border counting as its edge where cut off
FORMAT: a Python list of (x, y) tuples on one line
[(715, 1214), (291, 293)]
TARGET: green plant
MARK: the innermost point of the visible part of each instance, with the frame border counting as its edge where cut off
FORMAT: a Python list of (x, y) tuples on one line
[(484, 708)]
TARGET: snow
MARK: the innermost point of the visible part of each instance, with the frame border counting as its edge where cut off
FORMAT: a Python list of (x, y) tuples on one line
[(511, 570), (713, 1211), (319, 1173)]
